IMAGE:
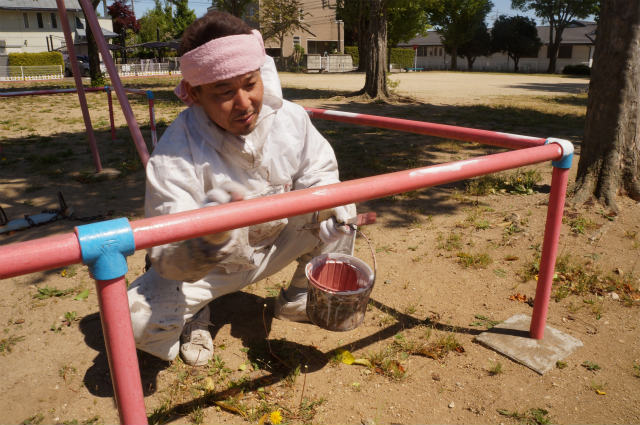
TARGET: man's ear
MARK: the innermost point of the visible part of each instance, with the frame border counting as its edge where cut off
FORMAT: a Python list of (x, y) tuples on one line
[(193, 93)]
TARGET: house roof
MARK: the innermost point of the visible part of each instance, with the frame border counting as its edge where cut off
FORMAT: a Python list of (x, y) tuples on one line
[(38, 5), (579, 32)]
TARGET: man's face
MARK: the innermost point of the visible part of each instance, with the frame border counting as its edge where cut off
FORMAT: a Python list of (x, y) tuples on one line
[(234, 104)]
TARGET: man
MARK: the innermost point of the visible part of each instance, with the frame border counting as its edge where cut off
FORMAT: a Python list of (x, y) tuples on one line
[(238, 140)]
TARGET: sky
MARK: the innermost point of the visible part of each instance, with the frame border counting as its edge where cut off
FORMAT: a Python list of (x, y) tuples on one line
[(500, 7)]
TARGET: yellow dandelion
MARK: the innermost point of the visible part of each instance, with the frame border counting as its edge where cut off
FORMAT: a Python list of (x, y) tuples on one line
[(275, 417)]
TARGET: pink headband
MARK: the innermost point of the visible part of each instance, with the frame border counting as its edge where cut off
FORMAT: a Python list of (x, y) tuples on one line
[(219, 59)]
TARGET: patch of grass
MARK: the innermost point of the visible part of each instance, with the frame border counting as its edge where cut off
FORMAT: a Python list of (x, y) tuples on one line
[(46, 292), (451, 243), (384, 363), (7, 344), (476, 261), (65, 371), (309, 408), (495, 369), (579, 225), (519, 182), (33, 420), (589, 365), (483, 321), (561, 364), (534, 416), (598, 387)]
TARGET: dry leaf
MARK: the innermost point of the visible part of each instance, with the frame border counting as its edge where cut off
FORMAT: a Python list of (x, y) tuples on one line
[(518, 297), (229, 408)]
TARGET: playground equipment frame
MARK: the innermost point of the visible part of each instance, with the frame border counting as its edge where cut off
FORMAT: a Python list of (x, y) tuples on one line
[(104, 246)]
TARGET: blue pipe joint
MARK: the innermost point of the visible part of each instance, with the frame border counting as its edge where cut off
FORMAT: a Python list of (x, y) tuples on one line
[(567, 152), (149, 94), (104, 247)]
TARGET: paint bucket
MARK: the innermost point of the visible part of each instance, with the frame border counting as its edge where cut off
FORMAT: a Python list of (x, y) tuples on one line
[(339, 289)]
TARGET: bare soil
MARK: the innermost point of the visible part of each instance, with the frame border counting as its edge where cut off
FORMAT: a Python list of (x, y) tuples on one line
[(450, 264)]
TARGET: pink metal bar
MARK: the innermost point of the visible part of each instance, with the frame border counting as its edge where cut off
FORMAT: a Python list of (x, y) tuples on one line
[(494, 138), (152, 115), (121, 350), (62, 12), (47, 92), (134, 129), (559, 180), (15, 259), (111, 120)]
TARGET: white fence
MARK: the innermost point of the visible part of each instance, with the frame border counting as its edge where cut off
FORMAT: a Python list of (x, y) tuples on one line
[(23, 73), (56, 72)]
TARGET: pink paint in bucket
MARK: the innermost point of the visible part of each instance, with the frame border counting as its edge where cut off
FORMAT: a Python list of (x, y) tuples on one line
[(339, 289)]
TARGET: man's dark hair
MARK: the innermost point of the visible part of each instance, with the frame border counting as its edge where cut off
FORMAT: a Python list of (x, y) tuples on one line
[(211, 26)]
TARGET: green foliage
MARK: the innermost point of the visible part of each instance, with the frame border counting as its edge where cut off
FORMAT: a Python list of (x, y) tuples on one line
[(234, 7), (402, 56), (36, 59), (576, 70), (479, 45), (516, 36), (477, 261), (281, 17), (353, 51), (589, 365), (531, 417)]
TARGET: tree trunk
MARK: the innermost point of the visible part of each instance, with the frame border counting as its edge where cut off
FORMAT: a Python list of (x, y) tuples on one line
[(376, 77), (470, 62), (516, 62), (551, 48), (610, 157), (97, 78), (454, 58), (363, 29)]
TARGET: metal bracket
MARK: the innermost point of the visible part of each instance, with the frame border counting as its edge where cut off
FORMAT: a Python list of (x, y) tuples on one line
[(567, 152), (104, 246)]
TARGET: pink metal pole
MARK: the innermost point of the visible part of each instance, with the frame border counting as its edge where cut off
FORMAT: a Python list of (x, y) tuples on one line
[(46, 92), (559, 180), (113, 126), (62, 12), (494, 138), (152, 123), (148, 232), (134, 129), (121, 350)]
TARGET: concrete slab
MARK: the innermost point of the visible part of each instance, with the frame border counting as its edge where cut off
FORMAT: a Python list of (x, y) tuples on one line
[(511, 338)]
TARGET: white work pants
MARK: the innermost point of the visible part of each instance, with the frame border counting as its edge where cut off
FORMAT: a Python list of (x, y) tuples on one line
[(160, 307)]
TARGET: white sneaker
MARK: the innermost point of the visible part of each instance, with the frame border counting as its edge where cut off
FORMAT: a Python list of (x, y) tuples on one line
[(291, 305), (196, 344)]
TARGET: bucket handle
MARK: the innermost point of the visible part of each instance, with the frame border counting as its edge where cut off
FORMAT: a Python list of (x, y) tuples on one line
[(373, 254)]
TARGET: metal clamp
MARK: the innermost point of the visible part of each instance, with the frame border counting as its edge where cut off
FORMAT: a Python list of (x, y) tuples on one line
[(104, 246), (567, 152)]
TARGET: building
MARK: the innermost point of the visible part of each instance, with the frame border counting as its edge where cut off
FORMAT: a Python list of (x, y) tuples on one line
[(31, 26), (577, 47), (327, 33)]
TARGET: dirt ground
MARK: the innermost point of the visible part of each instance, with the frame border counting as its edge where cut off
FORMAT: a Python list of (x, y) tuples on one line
[(451, 263)]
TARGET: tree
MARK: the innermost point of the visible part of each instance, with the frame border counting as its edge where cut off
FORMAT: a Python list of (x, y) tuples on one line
[(456, 21), (479, 45), (157, 23), (516, 36), (375, 84), (123, 20), (278, 18), (610, 157), (97, 77), (182, 18), (559, 14), (234, 7)]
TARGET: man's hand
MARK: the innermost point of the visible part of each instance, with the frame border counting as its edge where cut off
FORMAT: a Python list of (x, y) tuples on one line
[(227, 192), (336, 222)]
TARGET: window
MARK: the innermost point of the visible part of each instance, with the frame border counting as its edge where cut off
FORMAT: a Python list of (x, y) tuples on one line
[(301, 12), (296, 40), (39, 18), (79, 23), (54, 21), (26, 20), (252, 11)]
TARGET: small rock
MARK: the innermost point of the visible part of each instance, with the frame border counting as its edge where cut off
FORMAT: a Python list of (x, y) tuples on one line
[(452, 405), (614, 296), (435, 376), (619, 271)]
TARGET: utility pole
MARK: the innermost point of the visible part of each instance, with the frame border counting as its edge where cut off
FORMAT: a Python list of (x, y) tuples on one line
[(339, 38), (133, 9)]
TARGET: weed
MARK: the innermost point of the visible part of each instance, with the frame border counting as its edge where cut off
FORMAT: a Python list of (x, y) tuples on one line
[(500, 272), (46, 292), (290, 379), (636, 369), (579, 225), (308, 409), (197, 415), (453, 242), (535, 416), (589, 365), (65, 371), (70, 317), (561, 364), (495, 369), (410, 309), (598, 387), (483, 321), (477, 261), (7, 344), (384, 363), (519, 182)]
